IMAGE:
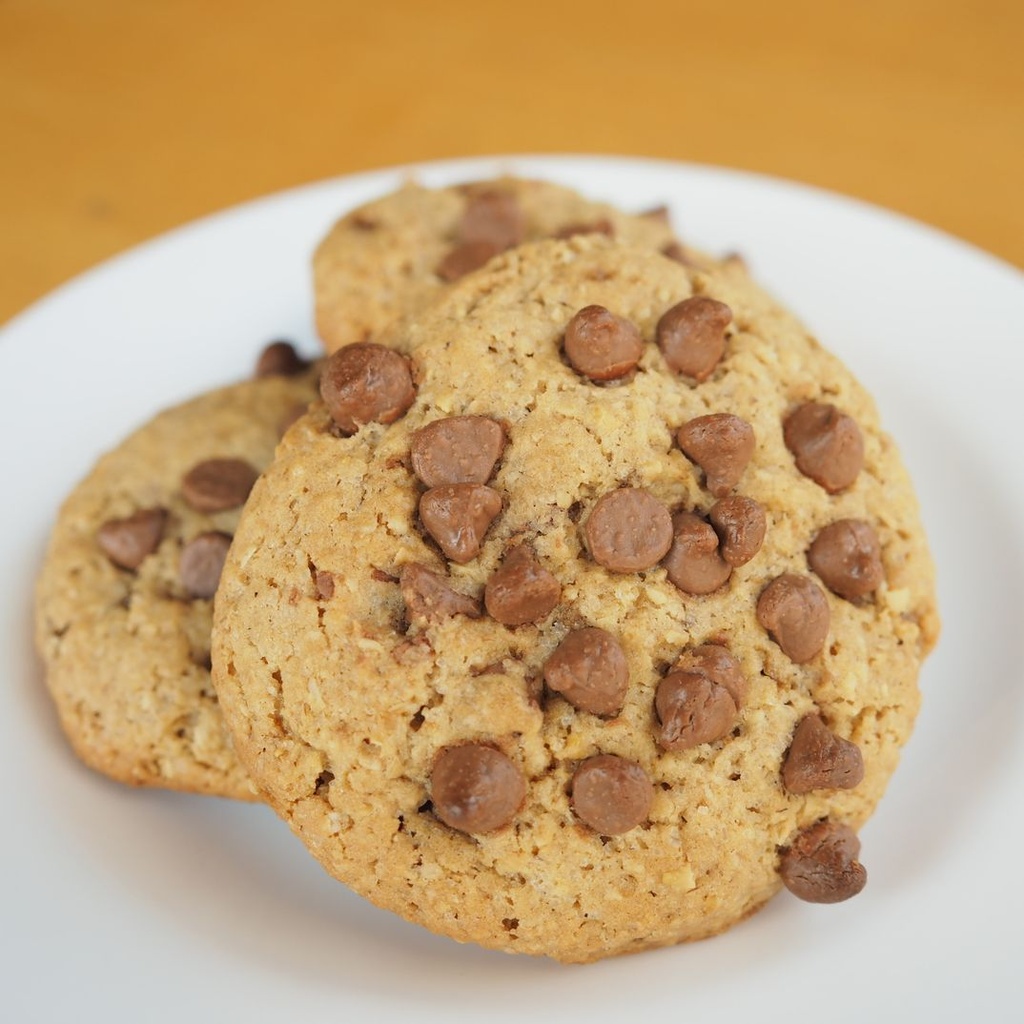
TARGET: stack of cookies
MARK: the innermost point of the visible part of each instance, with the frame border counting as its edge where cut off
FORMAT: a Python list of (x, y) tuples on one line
[(579, 610)]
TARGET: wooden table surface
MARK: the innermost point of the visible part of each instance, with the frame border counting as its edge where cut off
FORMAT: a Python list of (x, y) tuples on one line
[(122, 118)]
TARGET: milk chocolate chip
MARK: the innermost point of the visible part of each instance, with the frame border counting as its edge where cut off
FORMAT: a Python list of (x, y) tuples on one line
[(361, 221), (476, 788), (218, 484), (629, 530), (720, 666), (692, 710), (521, 590), (457, 450), (601, 345), (660, 213), (740, 524), (492, 222), (602, 226), (201, 563), (429, 598), (721, 444), (494, 217), (826, 444), (691, 335), (693, 562), (465, 257), (676, 252), (280, 359), (821, 864), (457, 516), (819, 759), (794, 610), (610, 794), (848, 558), (366, 383), (127, 542), (589, 669)]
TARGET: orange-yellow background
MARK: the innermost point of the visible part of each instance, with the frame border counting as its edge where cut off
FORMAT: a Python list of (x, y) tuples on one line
[(121, 118)]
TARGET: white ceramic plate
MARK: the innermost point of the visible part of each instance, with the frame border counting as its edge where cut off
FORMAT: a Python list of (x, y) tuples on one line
[(123, 905)]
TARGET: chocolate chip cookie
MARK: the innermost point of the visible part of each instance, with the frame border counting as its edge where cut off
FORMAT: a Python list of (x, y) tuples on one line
[(389, 257), (577, 663), (124, 598)]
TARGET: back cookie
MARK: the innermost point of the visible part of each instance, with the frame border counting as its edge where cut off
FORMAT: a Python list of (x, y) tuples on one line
[(124, 598), (391, 256)]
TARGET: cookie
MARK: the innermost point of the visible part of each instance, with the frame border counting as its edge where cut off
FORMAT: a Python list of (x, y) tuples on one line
[(391, 256), (124, 597), (535, 645)]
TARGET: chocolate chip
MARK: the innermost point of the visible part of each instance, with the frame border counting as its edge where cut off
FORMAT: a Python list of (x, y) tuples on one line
[(736, 261), (678, 254), (821, 864), (721, 444), (602, 226), (324, 583), (694, 563), (794, 610), (457, 450), (848, 558), (740, 524), (475, 788), (610, 794), (628, 530), (201, 562), (692, 710), (366, 383), (589, 669), (826, 443), (691, 335), (819, 759), (457, 516), (464, 258), (720, 666), (521, 590), (127, 542), (280, 359), (363, 221), (494, 217), (601, 345), (218, 484), (660, 213), (429, 598)]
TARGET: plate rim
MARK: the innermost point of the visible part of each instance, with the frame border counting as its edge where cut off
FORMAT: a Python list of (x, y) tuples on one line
[(249, 207)]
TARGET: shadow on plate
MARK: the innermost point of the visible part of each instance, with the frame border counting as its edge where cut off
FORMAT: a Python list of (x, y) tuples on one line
[(973, 698)]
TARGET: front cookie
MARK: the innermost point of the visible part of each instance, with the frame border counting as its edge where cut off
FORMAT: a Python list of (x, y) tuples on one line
[(527, 656)]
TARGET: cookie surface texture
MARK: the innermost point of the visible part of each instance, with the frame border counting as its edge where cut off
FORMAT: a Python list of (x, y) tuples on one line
[(391, 256), (122, 630), (346, 702)]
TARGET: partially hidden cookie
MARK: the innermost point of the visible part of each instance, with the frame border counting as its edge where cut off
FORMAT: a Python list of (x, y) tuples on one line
[(544, 662), (390, 256), (124, 598)]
